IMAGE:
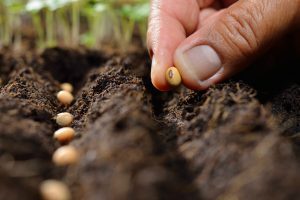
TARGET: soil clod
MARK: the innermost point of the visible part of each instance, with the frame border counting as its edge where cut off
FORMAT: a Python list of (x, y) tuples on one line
[(137, 143)]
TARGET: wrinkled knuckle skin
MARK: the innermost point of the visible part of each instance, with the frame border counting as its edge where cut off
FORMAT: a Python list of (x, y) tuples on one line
[(239, 29)]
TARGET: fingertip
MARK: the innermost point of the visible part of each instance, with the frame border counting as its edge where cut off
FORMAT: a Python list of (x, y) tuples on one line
[(158, 76), (160, 85)]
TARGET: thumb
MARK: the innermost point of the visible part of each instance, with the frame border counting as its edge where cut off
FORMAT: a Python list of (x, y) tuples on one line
[(230, 39)]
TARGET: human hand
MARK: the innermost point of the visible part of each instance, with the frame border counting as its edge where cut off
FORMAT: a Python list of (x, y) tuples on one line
[(208, 41)]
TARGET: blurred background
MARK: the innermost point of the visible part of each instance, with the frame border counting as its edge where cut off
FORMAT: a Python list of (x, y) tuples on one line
[(91, 23)]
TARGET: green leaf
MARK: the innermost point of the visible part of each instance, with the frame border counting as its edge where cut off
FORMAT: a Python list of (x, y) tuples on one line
[(15, 6), (138, 12), (100, 7), (35, 5), (56, 4)]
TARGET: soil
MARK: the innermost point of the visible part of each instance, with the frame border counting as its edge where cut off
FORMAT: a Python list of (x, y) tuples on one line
[(237, 140)]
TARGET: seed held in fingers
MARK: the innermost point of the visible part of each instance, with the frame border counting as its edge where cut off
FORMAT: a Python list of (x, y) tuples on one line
[(173, 77), (65, 155), (64, 119), (54, 190), (67, 87), (65, 97), (65, 134)]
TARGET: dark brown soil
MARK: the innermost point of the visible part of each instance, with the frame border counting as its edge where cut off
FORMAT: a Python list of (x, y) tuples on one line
[(238, 140)]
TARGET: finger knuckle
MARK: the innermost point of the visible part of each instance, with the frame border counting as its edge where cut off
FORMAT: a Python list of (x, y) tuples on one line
[(241, 30)]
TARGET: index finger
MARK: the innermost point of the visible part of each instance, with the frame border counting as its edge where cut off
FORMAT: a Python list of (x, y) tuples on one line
[(171, 21)]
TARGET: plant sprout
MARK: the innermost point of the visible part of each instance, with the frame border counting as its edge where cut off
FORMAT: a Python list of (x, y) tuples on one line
[(51, 7), (96, 14), (1, 22), (75, 22), (11, 19), (135, 14), (34, 7)]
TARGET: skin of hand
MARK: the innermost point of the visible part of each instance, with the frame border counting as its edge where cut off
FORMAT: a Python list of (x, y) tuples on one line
[(209, 41)]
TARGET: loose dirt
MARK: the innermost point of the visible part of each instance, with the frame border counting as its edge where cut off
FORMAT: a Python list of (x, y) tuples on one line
[(238, 140)]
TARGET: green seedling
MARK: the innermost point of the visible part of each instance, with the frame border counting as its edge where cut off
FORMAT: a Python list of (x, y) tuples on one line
[(96, 14), (11, 12), (60, 8), (34, 7), (127, 16), (51, 7), (141, 13), (75, 22)]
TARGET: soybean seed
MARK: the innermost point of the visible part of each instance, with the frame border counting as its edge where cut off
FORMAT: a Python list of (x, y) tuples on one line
[(64, 119), (65, 155), (65, 97), (67, 87), (173, 77), (64, 135), (54, 190)]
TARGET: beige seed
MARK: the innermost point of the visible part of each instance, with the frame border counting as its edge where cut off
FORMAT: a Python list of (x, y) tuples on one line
[(64, 135), (65, 97), (64, 119), (54, 190), (173, 77), (65, 155), (67, 87)]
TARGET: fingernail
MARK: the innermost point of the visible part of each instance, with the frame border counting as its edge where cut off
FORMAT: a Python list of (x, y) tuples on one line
[(199, 63)]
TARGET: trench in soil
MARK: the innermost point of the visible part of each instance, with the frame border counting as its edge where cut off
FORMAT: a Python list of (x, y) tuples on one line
[(232, 141)]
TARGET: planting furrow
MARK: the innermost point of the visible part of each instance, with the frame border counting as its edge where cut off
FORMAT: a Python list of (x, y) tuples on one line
[(232, 143), (122, 154), (27, 107), (129, 141)]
